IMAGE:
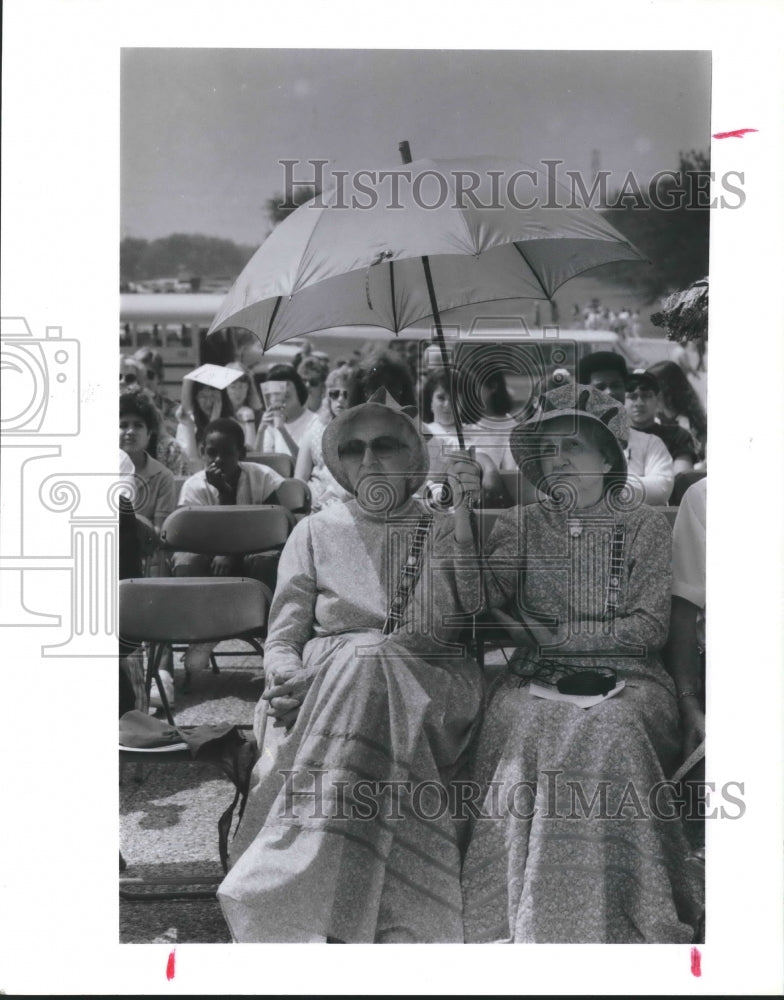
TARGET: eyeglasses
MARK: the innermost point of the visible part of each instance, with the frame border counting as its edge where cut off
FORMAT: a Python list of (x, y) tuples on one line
[(129, 378), (642, 394), (338, 393), (381, 447)]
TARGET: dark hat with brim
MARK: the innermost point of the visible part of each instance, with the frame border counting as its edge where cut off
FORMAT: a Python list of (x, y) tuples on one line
[(399, 423)]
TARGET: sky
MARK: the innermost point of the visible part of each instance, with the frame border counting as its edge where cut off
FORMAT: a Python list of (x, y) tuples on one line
[(203, 130)]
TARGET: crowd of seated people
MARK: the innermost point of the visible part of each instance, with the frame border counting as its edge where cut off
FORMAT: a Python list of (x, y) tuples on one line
[(370, 658)]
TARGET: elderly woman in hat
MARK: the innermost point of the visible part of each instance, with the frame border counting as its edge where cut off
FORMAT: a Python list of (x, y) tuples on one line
[(347, 835), (577, 842)]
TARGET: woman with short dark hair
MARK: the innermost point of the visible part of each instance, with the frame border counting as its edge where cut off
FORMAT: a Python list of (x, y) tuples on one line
[(286, 417), (139, 440)]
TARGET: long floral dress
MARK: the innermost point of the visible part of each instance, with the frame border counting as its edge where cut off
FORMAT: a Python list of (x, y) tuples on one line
[(572, 843), (311, 857)]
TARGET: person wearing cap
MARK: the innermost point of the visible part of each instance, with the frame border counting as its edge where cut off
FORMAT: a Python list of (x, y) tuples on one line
[(648, 461), (581, 582), (370, 679), (643, 400)]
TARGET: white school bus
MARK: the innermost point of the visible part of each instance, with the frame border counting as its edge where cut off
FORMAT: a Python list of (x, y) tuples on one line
[(176, 326)]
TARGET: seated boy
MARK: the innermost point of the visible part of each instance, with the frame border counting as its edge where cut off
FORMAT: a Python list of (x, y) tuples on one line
[(226, 480)]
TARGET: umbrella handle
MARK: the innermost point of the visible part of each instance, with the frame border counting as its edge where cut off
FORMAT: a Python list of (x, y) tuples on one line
[(405, 155)]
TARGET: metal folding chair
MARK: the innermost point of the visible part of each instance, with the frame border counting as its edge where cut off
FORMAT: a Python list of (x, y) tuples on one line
[(166, 611), (279, 461), (260, 531)]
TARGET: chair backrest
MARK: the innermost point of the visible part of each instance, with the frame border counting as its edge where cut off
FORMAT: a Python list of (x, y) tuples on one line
[(283, 464), (190, 609), (227, 530), (295, 496)]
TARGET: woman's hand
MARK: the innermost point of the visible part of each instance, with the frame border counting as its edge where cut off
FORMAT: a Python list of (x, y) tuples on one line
[(217, 406), (184, 417), (286, 694), (272, 418), (692, 724), (464, 475), (223, 565)]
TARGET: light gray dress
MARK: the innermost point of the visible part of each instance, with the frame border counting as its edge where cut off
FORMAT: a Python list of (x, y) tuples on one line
[(311, 857)]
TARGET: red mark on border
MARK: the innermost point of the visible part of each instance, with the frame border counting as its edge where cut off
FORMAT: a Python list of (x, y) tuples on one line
[(737, 134), (170, 965), (696, 962)]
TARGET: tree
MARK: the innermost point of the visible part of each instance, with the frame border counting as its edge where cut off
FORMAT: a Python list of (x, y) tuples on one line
[(280, 206), (170, 256), (671, 227), (131, 252)]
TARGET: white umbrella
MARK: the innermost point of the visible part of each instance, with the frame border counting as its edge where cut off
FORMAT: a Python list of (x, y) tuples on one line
[(332, 266), (329, 265)]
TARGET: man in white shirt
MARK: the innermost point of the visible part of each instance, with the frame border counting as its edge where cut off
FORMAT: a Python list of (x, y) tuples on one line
[(647, 456), (286, 417)]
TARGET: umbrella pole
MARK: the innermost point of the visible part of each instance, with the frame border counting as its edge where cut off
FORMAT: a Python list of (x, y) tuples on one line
[(405, 154)]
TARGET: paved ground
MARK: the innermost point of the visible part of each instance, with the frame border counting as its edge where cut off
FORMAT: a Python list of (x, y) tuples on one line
[(168, 821)]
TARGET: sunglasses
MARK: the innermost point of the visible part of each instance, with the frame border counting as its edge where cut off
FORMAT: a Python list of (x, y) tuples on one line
[(313, 383), (381, 447), (338, 393), (151, 374), (129, 378)]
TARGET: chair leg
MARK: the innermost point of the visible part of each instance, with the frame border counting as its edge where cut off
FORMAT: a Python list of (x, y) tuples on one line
[(154, 661)]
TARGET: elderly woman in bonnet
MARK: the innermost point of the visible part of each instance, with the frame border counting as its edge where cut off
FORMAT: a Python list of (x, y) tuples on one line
[(377, 693), (581, 579)]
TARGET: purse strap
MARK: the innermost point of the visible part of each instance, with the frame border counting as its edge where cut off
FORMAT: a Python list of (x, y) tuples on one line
[(616, 571), (409, 575)]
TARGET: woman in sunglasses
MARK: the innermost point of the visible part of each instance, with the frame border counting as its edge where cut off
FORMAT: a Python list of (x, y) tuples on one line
[(346, 834), (310, 467)]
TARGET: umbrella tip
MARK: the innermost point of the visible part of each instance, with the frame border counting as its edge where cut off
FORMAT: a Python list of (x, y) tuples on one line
[(405, 150)]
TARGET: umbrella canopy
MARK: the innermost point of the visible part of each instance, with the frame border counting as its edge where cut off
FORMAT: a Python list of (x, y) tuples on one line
[(330, 265)]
